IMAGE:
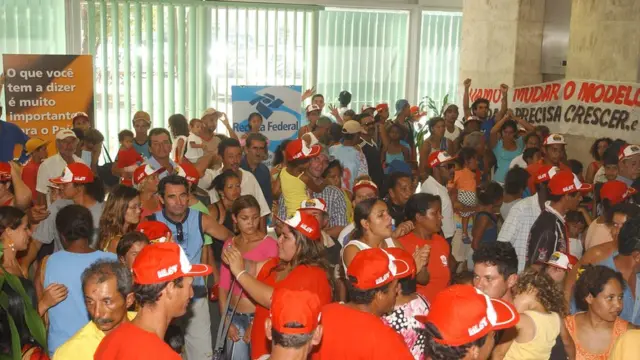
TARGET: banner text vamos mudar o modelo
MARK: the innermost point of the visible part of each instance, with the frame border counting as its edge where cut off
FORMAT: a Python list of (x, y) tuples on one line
[(43, 92), (580, 107)]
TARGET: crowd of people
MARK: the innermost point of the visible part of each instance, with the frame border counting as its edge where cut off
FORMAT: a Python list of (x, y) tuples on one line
[(486, 241)]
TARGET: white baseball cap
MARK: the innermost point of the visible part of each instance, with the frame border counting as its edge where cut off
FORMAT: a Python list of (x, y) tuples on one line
[(554, 139), (313, 204), (628, 151), (562, 260), (65, 133)]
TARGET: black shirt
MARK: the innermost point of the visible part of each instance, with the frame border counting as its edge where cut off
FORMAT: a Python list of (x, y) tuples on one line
[(374, 162), (548, 234), (396, 211)]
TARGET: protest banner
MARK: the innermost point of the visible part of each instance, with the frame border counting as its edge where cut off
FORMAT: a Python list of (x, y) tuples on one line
[(43, 92), (578, 107), (279, 107)]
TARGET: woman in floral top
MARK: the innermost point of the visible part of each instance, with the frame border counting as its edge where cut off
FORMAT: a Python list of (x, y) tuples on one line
[(409, 304)]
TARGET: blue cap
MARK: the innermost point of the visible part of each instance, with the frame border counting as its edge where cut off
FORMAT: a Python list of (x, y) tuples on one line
[(400, 105), (398, 166)]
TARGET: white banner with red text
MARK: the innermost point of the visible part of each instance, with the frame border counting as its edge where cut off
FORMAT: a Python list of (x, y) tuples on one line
[(578, 107)]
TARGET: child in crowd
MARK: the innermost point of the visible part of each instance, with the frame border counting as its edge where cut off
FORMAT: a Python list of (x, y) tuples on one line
[(531, 156), (195, 148), (348, 115), (128, 158), (333, 176), (577, 168), (463, 187), (394, 150), (541, 306), (255, 125), (515, 185), (91, 147), (485, 223), (179, 128), (464, 277), (576, 226), (294, 183)]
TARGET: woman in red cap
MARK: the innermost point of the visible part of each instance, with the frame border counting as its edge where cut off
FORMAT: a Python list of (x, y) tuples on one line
[(121, 214), (300, 264), (146, 180)]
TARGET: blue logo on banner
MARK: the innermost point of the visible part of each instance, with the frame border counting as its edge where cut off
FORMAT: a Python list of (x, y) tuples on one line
[(265, 103)]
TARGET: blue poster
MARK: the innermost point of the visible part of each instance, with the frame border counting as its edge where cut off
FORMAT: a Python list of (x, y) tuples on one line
[(279, 106)]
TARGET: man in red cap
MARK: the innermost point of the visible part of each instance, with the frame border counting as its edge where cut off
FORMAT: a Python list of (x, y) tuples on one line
[(293, 327), (162, 277), (549, 232), (441, 165), (517, 225), (462, 321), (553, 149), (354, 330), (155, 231)]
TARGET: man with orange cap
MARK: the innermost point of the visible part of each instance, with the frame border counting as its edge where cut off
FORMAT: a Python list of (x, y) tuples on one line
[(293, 327), (372, 283)]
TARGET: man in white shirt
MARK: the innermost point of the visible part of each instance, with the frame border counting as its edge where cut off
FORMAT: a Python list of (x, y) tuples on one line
[(440, 163), (231, 153), (517, 225), (531, 140), (66, 142)]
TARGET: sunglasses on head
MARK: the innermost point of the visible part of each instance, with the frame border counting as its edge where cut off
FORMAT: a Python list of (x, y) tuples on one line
[(180, 232)]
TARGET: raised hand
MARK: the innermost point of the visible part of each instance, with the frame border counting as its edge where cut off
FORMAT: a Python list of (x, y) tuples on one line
[(467, 83), (308, 93), (54, 294)]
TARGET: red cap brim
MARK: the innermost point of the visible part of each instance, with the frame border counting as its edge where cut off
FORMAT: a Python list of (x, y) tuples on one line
[(507, 315), (58, 180), (585, 188), (199, 270)]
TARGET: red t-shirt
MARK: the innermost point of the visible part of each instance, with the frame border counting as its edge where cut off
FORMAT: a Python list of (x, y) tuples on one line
[(352, 334), (30, 177), (131, 342), (438, 266), (533, 171), (128, 157), (302, 277)]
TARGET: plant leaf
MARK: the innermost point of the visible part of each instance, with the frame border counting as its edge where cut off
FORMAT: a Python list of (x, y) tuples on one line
[(31, 316), (16, 352)]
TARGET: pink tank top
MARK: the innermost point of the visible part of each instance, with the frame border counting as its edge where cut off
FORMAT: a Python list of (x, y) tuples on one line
[(265, 250)]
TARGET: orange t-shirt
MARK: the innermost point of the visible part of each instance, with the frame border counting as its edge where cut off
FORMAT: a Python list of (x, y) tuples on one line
[(302, 277), (465, 179), (131, 342), (351, 334), (533, 171), (438, 266)]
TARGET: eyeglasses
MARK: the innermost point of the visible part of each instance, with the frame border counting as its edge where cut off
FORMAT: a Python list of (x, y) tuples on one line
[(180, 232)]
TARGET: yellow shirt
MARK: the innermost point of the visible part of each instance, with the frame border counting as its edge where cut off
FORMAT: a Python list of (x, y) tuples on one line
[(294, 191), (547, 331), (83, 344)]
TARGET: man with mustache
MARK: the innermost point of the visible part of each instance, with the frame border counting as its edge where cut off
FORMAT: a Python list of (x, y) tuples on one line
[(108, 292)]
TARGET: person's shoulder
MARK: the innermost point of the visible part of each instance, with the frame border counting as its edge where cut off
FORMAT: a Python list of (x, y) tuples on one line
[(598, 253), (85, 339), (51, 160)]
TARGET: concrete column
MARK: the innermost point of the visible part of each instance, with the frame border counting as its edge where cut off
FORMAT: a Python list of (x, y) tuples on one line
[(604, 44), (604, 40), (502, 42)]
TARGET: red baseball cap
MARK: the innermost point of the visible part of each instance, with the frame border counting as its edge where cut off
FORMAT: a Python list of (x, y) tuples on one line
[(365, 183), (313, 204), (162, 262), (373, 268), (297, 150), (566, 182), (439, 157), (628, 151), (188, 171), (463, 314), (156, 231), (77, 173), (306, 223), (295, 306), (403, 255), (616, 191), (382, 107), (5, 171), (415, 110), (546, 173), (144, 171)]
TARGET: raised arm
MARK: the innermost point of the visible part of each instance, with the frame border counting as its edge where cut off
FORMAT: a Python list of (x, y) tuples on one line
[(494, 135), (256, 289), (21, 192), (524, 123), (465, 98), (504, 104), (213, 228), (225, 122)]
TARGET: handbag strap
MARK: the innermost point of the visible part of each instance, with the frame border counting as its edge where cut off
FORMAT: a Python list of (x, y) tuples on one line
[(223, 327), (106, 153)]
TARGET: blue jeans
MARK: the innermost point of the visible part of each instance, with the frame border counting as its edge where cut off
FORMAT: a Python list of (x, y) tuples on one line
[(239, 350)]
